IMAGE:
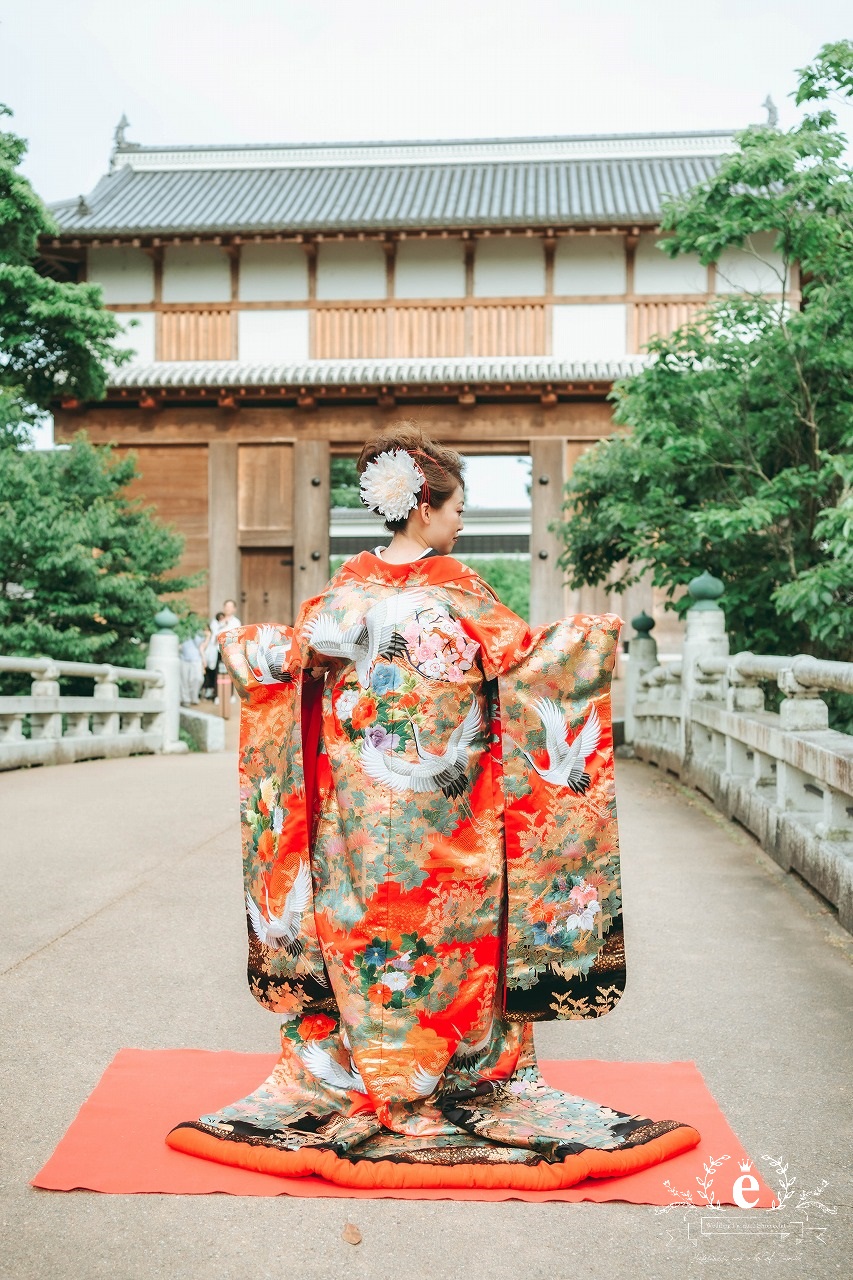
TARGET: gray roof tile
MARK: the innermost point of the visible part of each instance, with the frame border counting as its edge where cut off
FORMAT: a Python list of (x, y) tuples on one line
[(153, 192), (237, 373)]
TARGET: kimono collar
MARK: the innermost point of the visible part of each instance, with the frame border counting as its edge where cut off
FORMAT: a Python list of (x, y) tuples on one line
[(432, 570)]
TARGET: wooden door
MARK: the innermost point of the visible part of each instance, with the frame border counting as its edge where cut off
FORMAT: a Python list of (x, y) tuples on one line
[(267, 585), (174, 480)]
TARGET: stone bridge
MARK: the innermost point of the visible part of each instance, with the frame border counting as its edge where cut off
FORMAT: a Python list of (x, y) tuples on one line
[(124, 927)]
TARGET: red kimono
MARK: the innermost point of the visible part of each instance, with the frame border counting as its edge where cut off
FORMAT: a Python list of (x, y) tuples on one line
[(431, 865)]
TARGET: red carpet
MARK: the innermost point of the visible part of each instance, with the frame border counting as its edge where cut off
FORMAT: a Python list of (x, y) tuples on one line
[(117, 1141)]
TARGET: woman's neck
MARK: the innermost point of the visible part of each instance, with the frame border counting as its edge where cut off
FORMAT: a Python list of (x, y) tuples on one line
[(402, 549)]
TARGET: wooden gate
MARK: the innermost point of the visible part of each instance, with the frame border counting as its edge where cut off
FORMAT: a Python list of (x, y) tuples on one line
[(266, 593)]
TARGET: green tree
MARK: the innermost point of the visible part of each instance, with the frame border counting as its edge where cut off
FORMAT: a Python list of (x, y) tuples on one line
[(56, 339), (82, 566), (738, 456), (344, 483)]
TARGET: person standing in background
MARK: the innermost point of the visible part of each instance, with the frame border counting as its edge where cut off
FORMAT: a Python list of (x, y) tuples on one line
[(210, 651), (225, 620), (192, 669), (229, 612)]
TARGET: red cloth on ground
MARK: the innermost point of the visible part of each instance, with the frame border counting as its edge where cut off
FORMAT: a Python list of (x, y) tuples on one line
[(117, 1141)]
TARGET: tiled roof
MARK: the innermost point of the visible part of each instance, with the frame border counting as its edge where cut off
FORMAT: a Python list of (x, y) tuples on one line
[(374, 373), (291, 190)]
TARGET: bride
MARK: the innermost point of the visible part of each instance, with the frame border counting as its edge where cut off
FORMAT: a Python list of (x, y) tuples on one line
[(431, 866)]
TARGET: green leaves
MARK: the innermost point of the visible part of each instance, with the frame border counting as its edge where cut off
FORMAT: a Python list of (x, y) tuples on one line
[(82, 566), (831, 72), (56, 339), (741, 430)]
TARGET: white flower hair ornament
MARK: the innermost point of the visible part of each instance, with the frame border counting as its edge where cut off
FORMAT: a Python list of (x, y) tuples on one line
[(391, 484)]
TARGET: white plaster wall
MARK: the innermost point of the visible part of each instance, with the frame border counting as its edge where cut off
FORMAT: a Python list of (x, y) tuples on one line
[(756, 268), (138, 333), (272, 337), (273, 273), (124, 274), (509, 266), (350, 269), (589, 264), (430, 269), (589, 331), (196, 273), (654, 272)]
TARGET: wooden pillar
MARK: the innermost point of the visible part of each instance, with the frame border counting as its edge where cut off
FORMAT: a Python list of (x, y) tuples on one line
[(310, 519), (234, 268), (548, 473), (223, 545), (550, 246), (157, 258), (631, 335), (586, 599), (469, 250)]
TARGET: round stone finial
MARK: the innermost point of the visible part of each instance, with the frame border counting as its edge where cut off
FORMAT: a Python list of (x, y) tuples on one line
[(642, 624), (705, 591), (165, 621)]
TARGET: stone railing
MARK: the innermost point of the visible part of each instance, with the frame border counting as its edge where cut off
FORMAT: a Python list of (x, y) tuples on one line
[(784, 775), (46, 726)]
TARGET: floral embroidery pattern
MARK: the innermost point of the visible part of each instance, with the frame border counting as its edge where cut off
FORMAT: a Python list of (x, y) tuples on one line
[(395, 976), (437, 645)]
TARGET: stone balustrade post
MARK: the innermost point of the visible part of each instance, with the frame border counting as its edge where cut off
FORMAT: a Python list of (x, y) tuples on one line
[(705, 638), (44, 689), (802, 709), (163, 656), (642, 658), (743, 693), (106, 724)]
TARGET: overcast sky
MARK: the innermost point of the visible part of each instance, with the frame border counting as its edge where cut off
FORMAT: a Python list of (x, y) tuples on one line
[(209, 71), (219, 71)]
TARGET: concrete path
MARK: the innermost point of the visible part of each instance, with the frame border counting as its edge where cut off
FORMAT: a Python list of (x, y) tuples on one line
[(123, 927)]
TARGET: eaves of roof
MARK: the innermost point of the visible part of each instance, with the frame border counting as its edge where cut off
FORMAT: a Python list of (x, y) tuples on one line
[(426, 373)]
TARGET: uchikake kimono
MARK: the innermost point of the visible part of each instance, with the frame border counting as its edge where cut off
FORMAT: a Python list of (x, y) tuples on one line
[(431, 866)]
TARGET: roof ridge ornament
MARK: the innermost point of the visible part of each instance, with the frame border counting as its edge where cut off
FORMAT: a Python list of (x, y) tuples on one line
[(772, 112), (120, 142)]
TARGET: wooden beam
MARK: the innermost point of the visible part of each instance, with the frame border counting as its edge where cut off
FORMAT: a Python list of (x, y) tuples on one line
[(310, 519), (418, 304), (495, 423), (548, 474), (222, 523)]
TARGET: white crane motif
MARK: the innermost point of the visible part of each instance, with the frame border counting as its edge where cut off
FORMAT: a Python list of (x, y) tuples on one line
[(375, 637), (566, 760), (423, 1083), (465, 1053), (446, 772), (324, 1067), (282, 930), (270, 658)]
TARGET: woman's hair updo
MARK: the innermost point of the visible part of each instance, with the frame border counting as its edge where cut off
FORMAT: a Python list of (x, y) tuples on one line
[(442, 467)]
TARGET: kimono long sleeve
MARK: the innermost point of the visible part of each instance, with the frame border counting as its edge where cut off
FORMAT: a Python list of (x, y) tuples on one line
[(285, 969), (564, 944)]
